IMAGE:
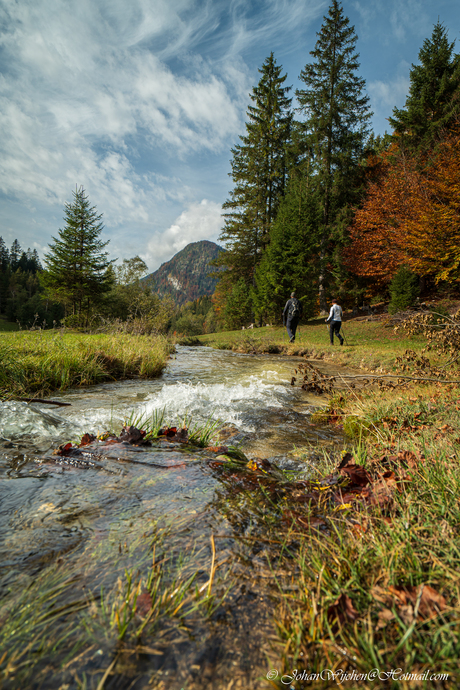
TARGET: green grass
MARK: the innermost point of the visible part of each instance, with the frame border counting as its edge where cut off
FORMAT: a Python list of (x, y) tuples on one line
[(369, 344), (7, 326), (38, 362), (367, 551)]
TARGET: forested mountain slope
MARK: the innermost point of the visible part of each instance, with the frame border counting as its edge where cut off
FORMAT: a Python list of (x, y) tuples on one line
[(187, 275)]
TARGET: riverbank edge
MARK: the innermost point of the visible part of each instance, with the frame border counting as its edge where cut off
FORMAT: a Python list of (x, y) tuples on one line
[(381, 588), (353, 609), (38, 363), (369, 345)]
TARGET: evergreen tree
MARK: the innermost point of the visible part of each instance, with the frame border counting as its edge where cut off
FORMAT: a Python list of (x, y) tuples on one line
[(5, 272), (259, 171), (336, 126), (433, 98), (404, 290), (15, 254), (4, 256), (76, 267), (290, 262)]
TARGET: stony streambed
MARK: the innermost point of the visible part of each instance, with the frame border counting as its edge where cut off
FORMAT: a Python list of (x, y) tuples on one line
[(133, 565)]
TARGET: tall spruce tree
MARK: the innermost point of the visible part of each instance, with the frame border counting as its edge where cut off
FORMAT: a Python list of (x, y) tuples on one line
[(259, 172), (291, 257), (76, 267), (434, 92), (336, 122)]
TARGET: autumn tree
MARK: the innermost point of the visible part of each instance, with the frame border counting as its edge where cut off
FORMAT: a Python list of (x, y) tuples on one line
[(337, 114), (377, 233), (411, 216), (76, 266)]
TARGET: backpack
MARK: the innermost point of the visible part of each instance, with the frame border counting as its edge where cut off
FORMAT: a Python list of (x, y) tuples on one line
[(294, 309)]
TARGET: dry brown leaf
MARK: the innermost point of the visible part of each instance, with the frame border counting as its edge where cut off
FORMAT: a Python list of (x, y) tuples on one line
[(385, 616), (342, 609), (143, 603)]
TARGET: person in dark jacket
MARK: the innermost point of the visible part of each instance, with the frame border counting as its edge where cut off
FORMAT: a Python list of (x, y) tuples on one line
[(335, 321), (291, 315)]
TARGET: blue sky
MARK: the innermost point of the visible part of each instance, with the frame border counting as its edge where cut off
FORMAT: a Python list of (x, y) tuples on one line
[(140, 103)]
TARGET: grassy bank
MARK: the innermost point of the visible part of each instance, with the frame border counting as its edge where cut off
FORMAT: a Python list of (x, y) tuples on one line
[(369, 344), (370, 576), (34, 363)]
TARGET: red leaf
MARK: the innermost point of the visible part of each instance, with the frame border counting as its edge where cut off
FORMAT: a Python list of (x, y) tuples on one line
[(143, 604), (357, 474), (86, 439)]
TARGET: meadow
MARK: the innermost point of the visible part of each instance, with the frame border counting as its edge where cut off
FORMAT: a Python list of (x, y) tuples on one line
[(369, 343), (35, 363)]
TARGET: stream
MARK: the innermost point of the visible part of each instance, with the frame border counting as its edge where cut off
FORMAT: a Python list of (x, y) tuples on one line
[(73, 538)]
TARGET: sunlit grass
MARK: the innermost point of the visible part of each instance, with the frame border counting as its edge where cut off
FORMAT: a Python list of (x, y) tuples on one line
[(38, 362), (367, 551), (369, 344)]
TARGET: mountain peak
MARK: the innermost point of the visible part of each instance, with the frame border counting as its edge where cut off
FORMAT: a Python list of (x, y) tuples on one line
[(186, 276)]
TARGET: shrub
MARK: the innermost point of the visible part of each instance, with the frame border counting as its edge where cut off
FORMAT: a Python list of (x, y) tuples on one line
[(404, 290)]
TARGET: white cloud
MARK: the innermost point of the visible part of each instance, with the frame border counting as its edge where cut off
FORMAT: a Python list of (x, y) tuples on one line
[(385, 95), (83, 84), (200, 221)]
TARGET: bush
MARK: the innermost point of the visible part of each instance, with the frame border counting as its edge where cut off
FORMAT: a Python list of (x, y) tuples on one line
[(404, 290)]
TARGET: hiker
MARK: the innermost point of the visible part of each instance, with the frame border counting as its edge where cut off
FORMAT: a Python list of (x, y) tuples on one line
[(291, 315), (335, 321)]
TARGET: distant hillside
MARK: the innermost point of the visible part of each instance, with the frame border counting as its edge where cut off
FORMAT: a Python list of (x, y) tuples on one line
[(186, 276)]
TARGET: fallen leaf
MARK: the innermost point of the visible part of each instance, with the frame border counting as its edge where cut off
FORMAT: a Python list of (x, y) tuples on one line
[(385, 616), (86, 439), (342, 609), (63, 449), (405, 599), (357, 474), (345, 460), (143, 603), (409, 458), (131, 435)]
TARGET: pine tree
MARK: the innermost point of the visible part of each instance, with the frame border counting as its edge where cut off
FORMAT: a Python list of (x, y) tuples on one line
[(336, 126), (15, 254), (259, 172), (433, 96), (290, 262), (4, 256), (76, 267)]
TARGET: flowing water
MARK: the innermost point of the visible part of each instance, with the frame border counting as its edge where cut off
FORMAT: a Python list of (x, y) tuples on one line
[(73, 537)]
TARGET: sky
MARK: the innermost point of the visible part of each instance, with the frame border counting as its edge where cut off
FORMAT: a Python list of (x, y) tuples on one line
[(140, 103)]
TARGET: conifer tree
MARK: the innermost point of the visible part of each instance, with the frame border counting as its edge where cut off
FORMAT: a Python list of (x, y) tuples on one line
[(434, 96), (290, 262), (15, 254), (336, 125), (259, 172), (76, 267)]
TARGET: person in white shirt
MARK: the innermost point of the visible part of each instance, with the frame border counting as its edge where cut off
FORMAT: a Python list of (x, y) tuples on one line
[(335, 321)]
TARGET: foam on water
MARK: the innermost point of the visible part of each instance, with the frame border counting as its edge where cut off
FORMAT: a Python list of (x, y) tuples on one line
[(237, 403), (199, 385), (18, 420)]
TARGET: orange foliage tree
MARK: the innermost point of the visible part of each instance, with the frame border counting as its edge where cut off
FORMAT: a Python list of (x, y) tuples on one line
[(433, 231), (411, 216)]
